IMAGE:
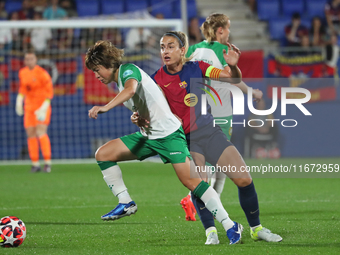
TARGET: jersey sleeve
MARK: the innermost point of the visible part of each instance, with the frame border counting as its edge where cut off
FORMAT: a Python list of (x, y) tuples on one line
[(22, 89), (46, 81), (130, 71), (209, 71)]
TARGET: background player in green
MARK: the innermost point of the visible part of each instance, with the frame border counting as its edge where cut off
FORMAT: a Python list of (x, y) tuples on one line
[(163, 135), (216, 31)]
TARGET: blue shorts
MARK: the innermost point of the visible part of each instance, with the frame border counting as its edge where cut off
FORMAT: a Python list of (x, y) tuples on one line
[(209, 141)]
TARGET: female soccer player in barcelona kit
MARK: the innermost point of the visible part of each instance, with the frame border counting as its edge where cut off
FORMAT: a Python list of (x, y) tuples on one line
[(210, 51), (37, 90), (163, 136), (206, 142)]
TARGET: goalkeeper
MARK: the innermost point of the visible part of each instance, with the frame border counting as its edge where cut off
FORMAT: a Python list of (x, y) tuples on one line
[(36, 90)]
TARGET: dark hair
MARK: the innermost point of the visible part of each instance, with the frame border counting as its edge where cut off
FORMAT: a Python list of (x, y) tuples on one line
[(322, 27), (104, 53), (296, 15)]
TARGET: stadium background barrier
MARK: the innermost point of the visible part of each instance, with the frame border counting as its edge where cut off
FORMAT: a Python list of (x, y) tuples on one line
[(73, 135)]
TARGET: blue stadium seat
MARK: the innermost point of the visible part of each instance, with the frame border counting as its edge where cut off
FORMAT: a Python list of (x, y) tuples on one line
[(191, 8), (315, 8), (136, 5), (306, 22), (277, 27), (111, 7), (267, 9), (162, 6), (87, 8), (291, 6), (13, 5)]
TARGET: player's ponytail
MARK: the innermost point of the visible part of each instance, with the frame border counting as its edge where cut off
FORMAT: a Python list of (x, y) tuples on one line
[(182, 40), (104, 53), (212, 23)]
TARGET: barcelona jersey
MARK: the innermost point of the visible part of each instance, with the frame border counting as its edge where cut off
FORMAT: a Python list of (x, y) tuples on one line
[(184, 91)]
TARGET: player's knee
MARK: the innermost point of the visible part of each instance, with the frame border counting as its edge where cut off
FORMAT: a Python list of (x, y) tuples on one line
[(242, 182), (104, 154), (100, 155)]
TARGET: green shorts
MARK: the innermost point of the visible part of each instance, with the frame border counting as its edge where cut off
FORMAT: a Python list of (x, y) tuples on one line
[(226, 128), (172, 148)]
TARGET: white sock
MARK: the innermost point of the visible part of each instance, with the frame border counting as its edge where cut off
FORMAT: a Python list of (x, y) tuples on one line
[(219, 183), (114, 180), (124, 197), (35, 163), (48, 162), (214, 205), (209, 230)]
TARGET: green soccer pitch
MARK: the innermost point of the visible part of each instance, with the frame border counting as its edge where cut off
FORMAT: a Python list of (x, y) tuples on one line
[(62, 212)]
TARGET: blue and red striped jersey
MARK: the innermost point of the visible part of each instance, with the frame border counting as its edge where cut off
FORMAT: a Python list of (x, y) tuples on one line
[(184, 93)]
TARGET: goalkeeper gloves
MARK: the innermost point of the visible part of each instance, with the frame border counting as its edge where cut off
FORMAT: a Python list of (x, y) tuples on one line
[(41, 112), (19, 109)]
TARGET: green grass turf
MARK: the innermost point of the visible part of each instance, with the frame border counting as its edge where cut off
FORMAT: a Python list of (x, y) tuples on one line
[(62, 212)]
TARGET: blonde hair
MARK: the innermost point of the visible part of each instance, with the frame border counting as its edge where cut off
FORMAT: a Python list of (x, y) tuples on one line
[(212, 23), (182, 40), (103, 53)]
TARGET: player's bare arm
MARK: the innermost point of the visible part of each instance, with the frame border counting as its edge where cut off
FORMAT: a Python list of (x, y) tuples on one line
[(256, 93), (129, 90)]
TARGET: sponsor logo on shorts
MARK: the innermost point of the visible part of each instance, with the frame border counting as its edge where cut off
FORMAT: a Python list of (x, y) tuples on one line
[(174, 153)]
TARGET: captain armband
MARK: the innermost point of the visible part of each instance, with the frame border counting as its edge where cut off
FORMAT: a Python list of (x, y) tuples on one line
[(213, 72)]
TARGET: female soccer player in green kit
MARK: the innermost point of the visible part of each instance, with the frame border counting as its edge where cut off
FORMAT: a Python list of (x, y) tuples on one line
[(164, 135)]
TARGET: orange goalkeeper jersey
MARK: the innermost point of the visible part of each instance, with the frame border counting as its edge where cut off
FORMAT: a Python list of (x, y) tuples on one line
[(36, 86)]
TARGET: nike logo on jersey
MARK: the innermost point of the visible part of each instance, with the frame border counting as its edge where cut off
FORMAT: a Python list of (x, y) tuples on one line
[(167, 85)]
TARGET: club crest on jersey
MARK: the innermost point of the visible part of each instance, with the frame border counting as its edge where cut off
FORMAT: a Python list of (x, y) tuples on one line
[(190, 100), (127, 73), (183, 85)]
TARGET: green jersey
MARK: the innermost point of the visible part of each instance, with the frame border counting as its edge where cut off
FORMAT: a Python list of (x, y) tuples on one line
[(149, 102), (212, 53)]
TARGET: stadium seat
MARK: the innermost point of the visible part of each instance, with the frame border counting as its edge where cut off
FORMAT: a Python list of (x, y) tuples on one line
[(191, 8), (315, 8), (111, 7), (277, 27), (306, 22), (136, 5), (87, 8), (267, 9), (162, 6), (13, 5), (291, 6)]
